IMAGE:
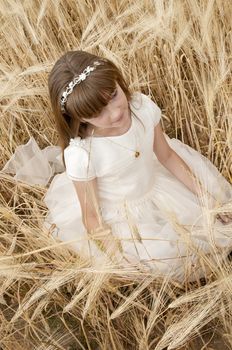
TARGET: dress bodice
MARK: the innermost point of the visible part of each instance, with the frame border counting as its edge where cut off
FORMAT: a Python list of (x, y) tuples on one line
[(120, 175)]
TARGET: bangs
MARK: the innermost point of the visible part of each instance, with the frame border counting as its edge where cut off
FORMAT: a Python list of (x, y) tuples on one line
[(88, 99)]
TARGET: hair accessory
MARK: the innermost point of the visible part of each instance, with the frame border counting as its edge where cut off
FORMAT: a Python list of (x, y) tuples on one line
[(77, 141), (76, 81)]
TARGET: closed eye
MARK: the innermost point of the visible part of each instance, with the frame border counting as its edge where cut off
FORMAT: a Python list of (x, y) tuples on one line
[(114, 93)]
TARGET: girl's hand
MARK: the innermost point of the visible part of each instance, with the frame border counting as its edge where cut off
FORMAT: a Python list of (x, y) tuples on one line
[(105, 240), (224, 218), (110, 244)]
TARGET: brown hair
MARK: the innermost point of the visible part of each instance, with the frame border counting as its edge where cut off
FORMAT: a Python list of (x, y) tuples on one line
[(88, 98)]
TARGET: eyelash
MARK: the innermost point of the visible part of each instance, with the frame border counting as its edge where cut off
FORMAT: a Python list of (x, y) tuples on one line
[(114, 94)]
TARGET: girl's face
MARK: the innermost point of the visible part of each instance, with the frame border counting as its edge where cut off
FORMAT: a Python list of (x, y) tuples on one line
[(115, 114)]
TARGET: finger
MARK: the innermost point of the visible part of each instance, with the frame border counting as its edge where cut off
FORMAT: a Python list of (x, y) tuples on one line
[(226, 219), (221, 218), (227, 213)]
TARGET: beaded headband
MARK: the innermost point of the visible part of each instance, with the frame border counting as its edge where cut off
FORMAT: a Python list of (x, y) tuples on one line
[(76, 81)]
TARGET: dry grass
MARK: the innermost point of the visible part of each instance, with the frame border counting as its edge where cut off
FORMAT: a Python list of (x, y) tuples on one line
[(179, 52)]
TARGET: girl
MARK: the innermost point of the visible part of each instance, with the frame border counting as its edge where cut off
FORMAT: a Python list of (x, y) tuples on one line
[(128, 191), (131, 181)]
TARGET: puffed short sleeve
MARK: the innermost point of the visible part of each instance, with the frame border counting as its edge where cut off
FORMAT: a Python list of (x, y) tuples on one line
[(153, 109), (78, 162)]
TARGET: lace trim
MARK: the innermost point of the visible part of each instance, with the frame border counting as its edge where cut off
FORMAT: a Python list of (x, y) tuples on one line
[(77, 141)]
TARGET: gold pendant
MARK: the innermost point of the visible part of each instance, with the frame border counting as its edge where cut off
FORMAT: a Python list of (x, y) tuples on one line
[(137, 154)]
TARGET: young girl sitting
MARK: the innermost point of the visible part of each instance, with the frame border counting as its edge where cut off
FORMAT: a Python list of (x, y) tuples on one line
[(129, 192)]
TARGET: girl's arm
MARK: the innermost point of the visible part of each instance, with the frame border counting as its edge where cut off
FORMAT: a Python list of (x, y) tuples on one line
[(97, 229), (175, 164), (88, 197)]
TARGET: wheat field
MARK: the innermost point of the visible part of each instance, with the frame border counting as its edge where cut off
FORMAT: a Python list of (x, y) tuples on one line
[(179, 52)]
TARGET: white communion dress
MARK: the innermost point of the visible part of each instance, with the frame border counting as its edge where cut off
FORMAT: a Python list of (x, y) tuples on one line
[(147, 207)]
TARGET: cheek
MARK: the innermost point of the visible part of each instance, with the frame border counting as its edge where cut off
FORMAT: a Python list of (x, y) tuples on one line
[(97, 121), (102, 119)]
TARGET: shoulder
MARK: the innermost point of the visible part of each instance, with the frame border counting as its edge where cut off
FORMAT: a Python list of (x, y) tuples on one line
[(140, 100), (77, 149), (77, 160), (146, 105)]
